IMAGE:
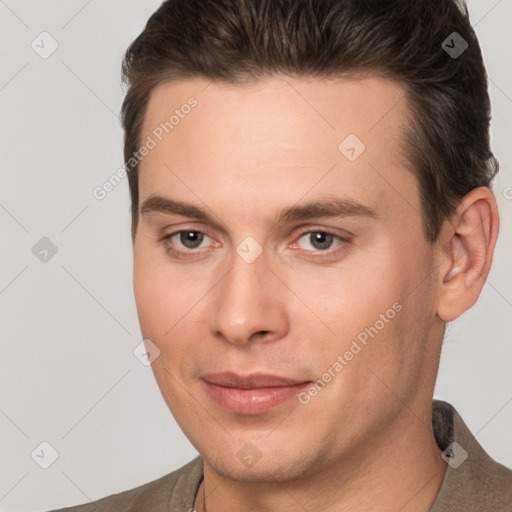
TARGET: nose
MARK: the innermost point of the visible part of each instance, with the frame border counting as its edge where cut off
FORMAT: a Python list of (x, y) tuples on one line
[(249, 304)]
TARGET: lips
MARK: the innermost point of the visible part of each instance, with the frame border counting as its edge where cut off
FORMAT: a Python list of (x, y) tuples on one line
[(251, 394), (233, 380)]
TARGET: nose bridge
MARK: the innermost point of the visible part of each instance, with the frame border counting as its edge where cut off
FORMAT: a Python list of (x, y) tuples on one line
[(247, 301)]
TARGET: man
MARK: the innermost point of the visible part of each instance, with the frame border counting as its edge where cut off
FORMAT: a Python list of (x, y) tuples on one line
[(311, 204)]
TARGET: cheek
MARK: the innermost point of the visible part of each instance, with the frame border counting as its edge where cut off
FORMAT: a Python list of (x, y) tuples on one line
[(351, 298), (155, 294), (168, 303), (163, 308), (147, 293), (371, 321)]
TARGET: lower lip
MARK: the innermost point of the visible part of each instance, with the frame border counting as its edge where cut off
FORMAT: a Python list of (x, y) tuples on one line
[(252, 401)]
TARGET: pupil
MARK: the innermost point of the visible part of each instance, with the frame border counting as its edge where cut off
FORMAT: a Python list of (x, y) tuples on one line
[(191, 239), (321, 240)]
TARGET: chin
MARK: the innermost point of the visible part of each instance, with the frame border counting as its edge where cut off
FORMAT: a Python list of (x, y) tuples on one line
[(280, 468)]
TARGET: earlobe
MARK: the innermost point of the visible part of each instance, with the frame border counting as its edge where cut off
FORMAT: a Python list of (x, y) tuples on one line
[(468, 240)]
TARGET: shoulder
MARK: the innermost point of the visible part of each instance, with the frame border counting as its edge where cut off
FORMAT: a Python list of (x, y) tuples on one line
[(155, 496), (474, 481)]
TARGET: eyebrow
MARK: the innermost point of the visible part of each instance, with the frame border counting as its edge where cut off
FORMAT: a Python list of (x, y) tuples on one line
[(331, 207)]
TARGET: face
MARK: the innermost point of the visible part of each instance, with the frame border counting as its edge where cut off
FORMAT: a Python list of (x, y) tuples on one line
[(280, 235)]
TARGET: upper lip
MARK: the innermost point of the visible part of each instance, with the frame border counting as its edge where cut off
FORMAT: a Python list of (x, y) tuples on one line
[(257, 380)]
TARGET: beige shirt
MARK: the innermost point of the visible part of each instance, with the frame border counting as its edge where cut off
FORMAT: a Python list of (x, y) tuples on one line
[(473, 482)]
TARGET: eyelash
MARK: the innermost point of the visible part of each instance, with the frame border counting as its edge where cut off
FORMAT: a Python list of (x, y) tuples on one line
[(192, 252)]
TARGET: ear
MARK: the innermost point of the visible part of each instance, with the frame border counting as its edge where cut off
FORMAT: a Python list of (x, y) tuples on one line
[(466, 248)]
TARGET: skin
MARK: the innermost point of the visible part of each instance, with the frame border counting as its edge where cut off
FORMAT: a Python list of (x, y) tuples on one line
[(245, 152)]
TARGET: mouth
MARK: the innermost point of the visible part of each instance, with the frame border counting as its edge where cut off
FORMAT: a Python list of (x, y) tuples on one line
[(252, 394)]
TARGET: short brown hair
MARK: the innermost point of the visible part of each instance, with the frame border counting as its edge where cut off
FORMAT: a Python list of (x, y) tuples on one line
[(447, 137)]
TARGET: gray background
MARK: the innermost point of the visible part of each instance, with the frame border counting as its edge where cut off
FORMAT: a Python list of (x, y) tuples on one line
[(69, 325)]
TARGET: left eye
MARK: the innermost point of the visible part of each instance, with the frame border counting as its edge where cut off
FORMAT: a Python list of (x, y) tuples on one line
[(189, 239), (319, 240)]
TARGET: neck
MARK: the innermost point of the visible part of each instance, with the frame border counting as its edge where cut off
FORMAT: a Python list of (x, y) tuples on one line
[(402, 470)]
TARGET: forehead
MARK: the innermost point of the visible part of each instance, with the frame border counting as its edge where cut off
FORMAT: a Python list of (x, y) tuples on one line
[(276, 137), (328, 107)]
